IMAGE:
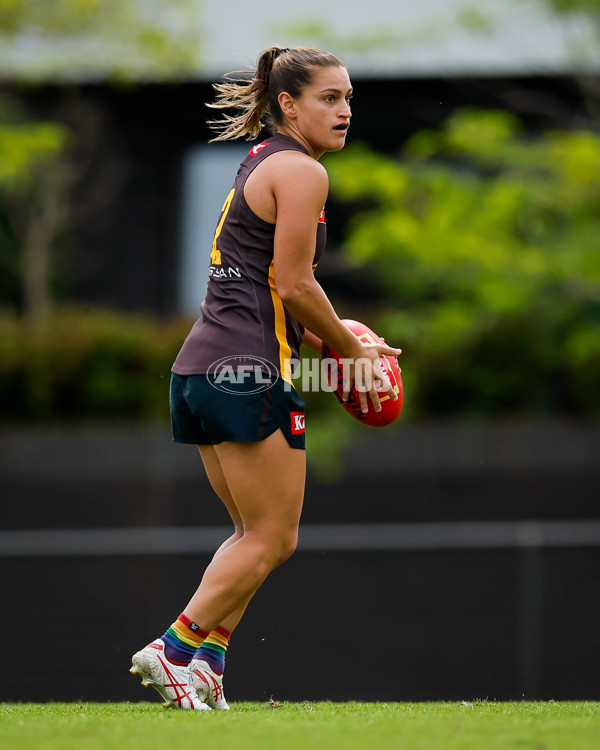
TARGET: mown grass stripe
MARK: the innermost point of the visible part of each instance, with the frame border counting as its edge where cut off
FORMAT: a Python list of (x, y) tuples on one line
[(466, 725)]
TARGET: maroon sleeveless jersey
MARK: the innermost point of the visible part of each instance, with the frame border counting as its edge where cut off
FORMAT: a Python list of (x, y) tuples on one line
[(242, 315)]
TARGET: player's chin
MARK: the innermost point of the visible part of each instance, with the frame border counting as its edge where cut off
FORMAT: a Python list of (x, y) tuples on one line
[(338, 142)]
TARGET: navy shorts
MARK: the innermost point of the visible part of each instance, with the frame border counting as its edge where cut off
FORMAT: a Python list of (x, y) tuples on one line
[(204, 414)]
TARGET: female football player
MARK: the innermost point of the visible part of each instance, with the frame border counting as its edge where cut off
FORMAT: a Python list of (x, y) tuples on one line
[(231, 388)]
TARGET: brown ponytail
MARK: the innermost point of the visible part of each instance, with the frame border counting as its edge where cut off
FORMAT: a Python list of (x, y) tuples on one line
[(256, 99)]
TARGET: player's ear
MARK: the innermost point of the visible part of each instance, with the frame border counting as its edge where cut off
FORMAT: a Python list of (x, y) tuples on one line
[(287, 104)]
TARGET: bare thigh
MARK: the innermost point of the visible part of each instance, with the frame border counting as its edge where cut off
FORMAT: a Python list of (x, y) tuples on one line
[(266, 481), (257, 482)]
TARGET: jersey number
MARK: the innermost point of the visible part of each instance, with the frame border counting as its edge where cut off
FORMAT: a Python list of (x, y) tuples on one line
[(215, 256)]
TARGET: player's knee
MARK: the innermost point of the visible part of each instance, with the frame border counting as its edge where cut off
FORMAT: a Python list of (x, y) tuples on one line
[(288, 542), (278, 546), (273, 545)]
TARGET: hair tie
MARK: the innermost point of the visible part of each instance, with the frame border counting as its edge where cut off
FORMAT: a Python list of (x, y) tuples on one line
[(264, 80)]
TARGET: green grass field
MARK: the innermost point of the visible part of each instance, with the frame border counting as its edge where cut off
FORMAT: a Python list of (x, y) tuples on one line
[(477, 725)]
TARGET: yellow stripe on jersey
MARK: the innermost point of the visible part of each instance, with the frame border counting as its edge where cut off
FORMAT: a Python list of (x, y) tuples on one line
[(285, 351), (215, 255)]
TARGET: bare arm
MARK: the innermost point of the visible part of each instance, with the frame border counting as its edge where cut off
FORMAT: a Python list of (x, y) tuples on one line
[(313, 342), (300, 193)]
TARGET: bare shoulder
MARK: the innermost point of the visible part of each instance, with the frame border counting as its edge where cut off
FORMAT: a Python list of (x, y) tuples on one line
[(297, 160), (294, 167), (287, 179)]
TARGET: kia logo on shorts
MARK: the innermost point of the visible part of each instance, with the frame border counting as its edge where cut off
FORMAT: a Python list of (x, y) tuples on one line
[(241, 375)]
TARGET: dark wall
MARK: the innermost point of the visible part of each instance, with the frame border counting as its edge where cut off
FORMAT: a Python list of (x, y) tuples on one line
[(331, 626), (406, 624), (129, 142)]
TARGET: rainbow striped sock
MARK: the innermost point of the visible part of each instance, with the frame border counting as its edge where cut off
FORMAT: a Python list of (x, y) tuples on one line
[(182, 640), (213, 649)]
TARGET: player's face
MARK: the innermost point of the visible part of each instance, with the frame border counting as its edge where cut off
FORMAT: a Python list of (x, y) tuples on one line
[(321, 116)]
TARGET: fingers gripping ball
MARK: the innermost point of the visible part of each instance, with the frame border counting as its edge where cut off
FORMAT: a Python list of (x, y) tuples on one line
[(390, 409)]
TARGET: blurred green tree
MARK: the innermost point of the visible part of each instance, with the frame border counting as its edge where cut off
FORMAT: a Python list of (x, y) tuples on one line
[(48, 40), (119, 39), (591, 7), (485, 244), (32, 191)]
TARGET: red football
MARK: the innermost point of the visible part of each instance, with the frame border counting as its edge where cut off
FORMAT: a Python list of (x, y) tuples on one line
[(390, 409)]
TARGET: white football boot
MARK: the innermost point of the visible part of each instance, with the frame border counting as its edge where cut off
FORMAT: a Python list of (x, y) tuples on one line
[(208, 684), (170, 680)]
